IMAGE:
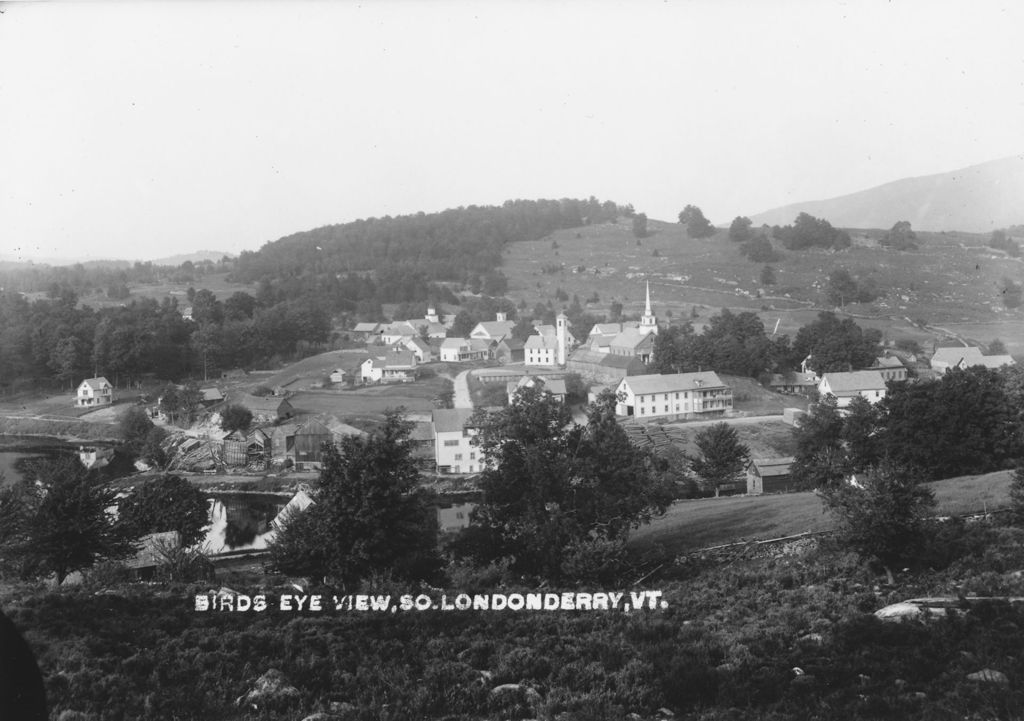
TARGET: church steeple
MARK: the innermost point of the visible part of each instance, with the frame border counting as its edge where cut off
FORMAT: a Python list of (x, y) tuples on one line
[(648, 323)]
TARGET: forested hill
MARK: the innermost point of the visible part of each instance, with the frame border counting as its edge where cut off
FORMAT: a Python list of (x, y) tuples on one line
[(406, 252)]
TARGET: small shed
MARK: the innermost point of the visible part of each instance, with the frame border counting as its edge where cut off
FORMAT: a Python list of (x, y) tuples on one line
[(770, 475)]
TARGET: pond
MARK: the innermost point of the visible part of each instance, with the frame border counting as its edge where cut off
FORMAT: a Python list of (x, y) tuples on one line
[(242, 521), (16, 452)]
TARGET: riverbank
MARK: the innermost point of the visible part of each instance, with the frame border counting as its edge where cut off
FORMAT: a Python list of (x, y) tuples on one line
[(72, 430)]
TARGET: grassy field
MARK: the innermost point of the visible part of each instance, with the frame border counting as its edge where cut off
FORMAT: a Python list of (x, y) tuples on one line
[(370, 403), (689, 525), (215, 282), (954, 277)]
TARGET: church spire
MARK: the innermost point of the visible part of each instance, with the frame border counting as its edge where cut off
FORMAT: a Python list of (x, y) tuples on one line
[(648, 323)]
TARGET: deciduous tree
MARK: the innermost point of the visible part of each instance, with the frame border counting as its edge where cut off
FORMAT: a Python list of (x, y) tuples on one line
[(722, 456), (370, 515), (168, 503)]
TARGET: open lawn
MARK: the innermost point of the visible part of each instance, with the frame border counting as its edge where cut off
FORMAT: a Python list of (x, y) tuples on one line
[(690, 525), (750, 397)]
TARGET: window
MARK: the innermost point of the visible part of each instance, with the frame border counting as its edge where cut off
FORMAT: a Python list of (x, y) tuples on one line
[(677, 396), (472, 456), (666, 407), (460, 515), (458, 456), (666, 397), (449, 444)]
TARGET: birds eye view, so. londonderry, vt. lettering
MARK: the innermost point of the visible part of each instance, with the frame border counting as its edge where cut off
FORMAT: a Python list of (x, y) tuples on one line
[(566, 362)]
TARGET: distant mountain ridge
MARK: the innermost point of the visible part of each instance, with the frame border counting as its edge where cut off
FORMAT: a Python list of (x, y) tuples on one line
[(196, 257), (977, 199)]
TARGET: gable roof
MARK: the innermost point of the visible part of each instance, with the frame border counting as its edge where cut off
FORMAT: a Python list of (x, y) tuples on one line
[(555, 386), (211, 395), (887, 361), (541, 342), (952, 356), (672, 382), (773, 466), (95, 383), (449, 420), (455, 343), (365, 327), (494, 328), (854, 381), (632, 338)]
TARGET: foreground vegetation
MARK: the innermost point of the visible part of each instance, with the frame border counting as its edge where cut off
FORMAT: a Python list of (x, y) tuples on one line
[(726, 647)]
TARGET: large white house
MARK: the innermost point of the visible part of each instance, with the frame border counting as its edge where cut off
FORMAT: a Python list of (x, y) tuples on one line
[(847, 386), (453, 448), (458, 350), (681, 395), (94, 392)]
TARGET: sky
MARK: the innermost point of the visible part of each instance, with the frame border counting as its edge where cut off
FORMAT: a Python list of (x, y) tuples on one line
[(144, 129)]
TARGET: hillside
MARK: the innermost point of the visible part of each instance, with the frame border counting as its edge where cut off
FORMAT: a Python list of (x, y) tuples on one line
[(977, 199), (954, 280), (197, 257)]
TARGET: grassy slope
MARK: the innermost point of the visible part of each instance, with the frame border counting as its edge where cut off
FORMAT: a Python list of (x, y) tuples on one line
[(953, 278), (700, 523)]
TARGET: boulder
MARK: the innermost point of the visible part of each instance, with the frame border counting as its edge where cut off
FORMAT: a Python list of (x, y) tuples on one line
[(988, 675), (900, 612), (515, 693), (271, 690), (321, 716)]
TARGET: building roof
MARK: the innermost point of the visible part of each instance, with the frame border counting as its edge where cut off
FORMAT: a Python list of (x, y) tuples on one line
[(854, 381), (313, 428), (454, 343), (952, 356), (672, 382), (773, 466), (887, 361), (212, 395), (150, 549), (555, 386), (494, 328), (607, 360), (94, 383), (996, 361), (793, 379), (541, 342), (449, 420), (419, 343), (365, 327), (606, 329), (631, 338)]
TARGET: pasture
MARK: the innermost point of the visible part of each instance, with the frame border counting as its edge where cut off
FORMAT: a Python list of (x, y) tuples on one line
[(693, 524)]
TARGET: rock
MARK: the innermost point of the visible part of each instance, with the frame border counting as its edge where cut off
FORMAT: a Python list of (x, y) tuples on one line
[(342, 708), (900, 683), (321, 716), (805, 680), (508, 693), (725, 667), (634, 716), (666, 713), (271, 690), (900, 612), (988, 675), (811, 639)]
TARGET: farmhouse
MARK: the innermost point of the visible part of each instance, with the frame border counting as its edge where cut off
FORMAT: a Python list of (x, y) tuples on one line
[(891, 368), (945, 358), (770, 475), (393, 367), (847, 386), (365, 331), (550, 386), (458, 350), (679, 395), (453, 448), (94, 392)]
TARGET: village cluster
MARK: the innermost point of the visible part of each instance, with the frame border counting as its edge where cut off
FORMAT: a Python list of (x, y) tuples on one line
[(613, 356)]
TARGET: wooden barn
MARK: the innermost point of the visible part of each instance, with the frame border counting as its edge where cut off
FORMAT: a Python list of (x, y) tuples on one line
[(308, 445), (770, 475)]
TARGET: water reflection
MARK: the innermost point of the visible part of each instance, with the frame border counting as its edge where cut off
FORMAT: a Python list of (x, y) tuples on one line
[(241, 521)]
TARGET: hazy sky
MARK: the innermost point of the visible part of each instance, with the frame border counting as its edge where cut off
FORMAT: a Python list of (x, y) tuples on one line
[(143, 129)]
